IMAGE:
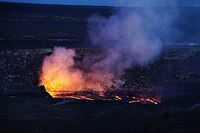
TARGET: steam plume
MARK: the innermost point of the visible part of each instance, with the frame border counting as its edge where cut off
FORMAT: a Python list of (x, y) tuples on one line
[(58, 72), (132, 36), (59, 75)]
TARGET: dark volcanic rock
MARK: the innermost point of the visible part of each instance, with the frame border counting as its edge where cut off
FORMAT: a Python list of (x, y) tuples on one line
[(19, 69)]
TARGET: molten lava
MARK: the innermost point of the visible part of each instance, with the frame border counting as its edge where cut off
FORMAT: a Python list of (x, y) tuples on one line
[(62, 79), (58, 74)]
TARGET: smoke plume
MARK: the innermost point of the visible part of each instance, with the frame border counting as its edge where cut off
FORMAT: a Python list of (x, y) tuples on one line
[(58, 72), (132, 36)]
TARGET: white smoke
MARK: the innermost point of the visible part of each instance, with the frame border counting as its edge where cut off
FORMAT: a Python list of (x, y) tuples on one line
[(59, 74), (132, 36)]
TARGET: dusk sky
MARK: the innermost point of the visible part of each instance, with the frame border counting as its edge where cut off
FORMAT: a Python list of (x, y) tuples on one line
[(115, 2)]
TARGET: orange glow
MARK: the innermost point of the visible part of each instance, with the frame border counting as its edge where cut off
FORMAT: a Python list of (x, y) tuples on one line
[(58, 74), (118, 98), (145, 100), (62, 79)]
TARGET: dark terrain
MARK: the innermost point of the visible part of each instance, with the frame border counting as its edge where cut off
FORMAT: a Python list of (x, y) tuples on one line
[(29, 32), (39, 26)]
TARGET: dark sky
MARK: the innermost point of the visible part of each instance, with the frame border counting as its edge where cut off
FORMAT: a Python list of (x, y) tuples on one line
[(115, 2)]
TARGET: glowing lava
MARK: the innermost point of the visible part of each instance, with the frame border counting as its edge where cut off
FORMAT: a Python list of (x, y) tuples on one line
[(62, 79), (57, 73)]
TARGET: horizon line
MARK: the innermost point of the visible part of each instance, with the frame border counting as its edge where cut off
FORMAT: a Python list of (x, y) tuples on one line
[(61, 4)]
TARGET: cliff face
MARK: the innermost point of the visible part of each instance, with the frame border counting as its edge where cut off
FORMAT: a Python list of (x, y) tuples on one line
[(177, 67)]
